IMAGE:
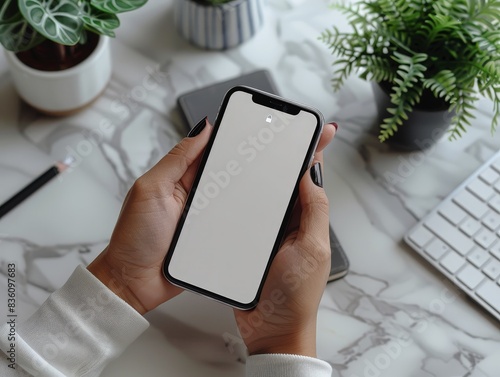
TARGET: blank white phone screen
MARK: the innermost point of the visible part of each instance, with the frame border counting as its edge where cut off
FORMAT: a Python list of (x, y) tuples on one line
[(241, 199)]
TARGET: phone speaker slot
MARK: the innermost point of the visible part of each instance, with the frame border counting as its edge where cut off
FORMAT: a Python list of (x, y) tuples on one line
[(276, 104)]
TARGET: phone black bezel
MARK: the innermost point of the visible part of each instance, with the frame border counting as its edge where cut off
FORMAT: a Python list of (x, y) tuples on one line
[(275, 102)]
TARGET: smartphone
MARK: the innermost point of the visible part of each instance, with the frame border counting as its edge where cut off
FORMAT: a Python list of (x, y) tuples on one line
[(205, 101), (339, 263), (243, 194)]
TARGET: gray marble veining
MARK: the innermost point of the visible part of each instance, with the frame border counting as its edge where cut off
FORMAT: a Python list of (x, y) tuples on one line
[(391, 316)]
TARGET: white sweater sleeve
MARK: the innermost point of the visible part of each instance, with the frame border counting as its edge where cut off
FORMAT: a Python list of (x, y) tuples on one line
[(76, 332), (280, 365), (83, 326)]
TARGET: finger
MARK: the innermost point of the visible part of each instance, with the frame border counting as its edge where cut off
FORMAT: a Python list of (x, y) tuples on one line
[(327, 136), (187, 179), (318, 157), (176, 163)]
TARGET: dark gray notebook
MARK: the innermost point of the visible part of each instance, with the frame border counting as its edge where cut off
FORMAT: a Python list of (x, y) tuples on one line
[(205, 101), (197, 104)]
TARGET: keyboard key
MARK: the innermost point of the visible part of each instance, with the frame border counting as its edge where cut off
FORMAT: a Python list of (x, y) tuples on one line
[(485, 238), (436, 249), (449, 234), (478, 257), (481, 189), (492, 221), (452, 261), (489, 175), (495, 203), (470, 276), (470, 226), (495, 250), (421, 236), (492, 269), (490, 293), (471, 204), (452, 212), (496, 165)]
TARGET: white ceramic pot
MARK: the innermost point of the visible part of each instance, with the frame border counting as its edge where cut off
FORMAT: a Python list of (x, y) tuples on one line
[(218, 27), (63, 92)]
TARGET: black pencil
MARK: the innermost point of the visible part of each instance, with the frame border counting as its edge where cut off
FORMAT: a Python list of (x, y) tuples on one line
[(31, 188)]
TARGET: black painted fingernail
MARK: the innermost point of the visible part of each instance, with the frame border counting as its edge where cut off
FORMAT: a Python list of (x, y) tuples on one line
[(196, 130), (335, 125), (316, 175)]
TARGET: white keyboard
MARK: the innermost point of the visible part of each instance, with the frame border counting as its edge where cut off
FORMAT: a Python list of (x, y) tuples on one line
[(461, 236)]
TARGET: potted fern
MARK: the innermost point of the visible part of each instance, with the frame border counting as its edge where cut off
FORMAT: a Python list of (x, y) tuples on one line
[(435, 56), (58, 50), (218, 24)]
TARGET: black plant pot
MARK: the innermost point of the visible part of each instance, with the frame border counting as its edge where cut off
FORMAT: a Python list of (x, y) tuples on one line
[(426, 124)]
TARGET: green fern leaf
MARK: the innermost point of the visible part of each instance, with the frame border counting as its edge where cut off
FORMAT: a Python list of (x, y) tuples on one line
[(442, 85)]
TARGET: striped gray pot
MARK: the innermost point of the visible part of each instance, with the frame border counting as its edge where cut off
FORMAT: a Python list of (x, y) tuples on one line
[(218, 27)]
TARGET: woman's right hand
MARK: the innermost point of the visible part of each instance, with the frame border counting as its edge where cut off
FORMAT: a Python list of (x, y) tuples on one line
[(284, 321)]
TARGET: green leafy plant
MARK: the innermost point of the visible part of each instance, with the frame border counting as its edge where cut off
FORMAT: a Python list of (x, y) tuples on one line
[(27, 23), (448, 47)]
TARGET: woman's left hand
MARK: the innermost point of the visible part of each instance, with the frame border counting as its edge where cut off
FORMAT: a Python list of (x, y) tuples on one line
[(131, 265)]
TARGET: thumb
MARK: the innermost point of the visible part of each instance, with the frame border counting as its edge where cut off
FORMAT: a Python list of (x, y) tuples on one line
[(172, 167), (313, 233)]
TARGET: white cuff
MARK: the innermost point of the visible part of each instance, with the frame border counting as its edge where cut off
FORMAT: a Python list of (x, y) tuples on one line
[(281, 365), (80, 328)]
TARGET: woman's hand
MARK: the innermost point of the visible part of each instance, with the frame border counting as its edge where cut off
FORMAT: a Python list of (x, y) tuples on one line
[(284, 321), (131, 265)]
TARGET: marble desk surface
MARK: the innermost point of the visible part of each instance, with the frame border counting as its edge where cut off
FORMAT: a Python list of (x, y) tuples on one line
[(393, 315)]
